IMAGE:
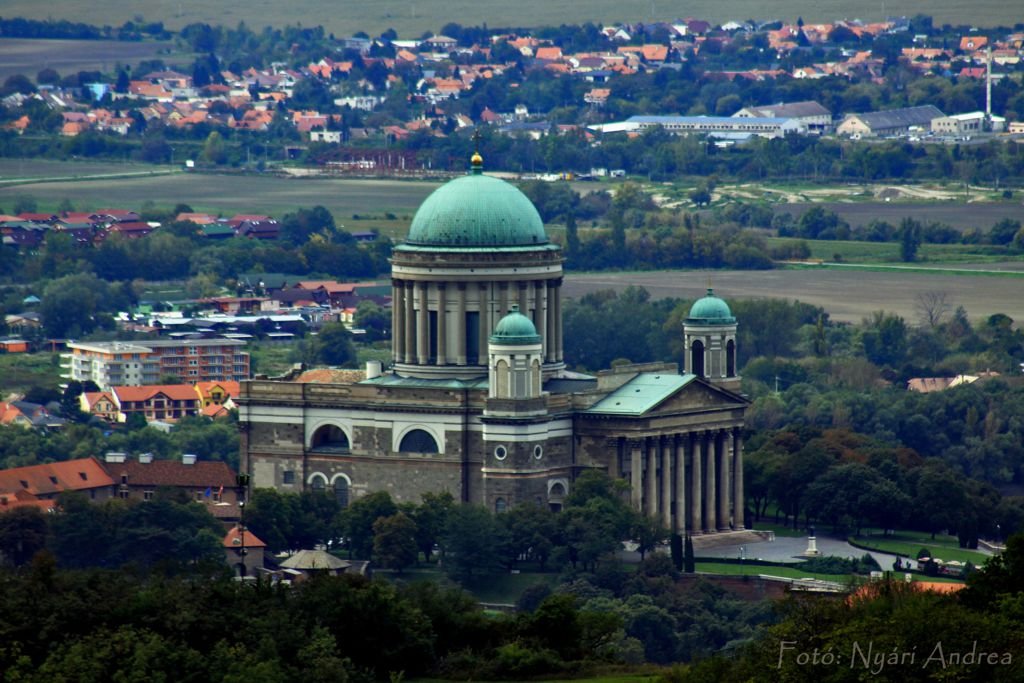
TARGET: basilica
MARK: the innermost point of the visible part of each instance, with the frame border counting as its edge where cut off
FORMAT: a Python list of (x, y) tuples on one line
[(478, 400)]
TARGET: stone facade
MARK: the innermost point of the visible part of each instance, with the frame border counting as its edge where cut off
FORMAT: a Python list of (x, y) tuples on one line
[(478, 402)]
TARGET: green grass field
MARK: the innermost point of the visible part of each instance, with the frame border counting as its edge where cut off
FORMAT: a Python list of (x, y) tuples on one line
[(21, 371), (412, 19), (775, 570), (929, 255), (908, 544)]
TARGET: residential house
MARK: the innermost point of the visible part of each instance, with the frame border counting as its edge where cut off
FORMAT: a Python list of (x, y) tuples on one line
[(164, 402), (100, 404), (123, 364), (209, 481), (27, 414), (216, 393), (44, 483), (243, 551)]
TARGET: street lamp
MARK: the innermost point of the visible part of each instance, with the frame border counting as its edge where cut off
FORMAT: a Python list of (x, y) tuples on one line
[(242, 486)]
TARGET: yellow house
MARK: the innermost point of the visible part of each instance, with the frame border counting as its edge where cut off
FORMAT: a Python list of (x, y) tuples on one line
[(216, 393)]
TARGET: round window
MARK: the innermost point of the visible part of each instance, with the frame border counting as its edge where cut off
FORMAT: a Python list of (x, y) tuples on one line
[(500, 452), (538, 452)]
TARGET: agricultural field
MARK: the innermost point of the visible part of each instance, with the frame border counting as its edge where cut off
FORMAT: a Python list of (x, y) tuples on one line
[(411, 19), (847, 294), (229, 194), (29, 56), (957, 214)]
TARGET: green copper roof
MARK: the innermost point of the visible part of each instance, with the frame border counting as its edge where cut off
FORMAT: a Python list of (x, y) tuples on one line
[(641, 394), (477, 211), (710, 310), (515, 329)]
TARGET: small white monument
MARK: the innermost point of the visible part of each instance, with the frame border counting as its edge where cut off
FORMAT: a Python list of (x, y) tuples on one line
[(812, 545)]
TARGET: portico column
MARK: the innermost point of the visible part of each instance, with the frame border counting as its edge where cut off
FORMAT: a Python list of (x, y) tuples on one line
[(697, 495), (737, 479), (665, 447), (651, 477), (542, 317), (485, 327), (723, 480), (679, 474), (524, 304), (442, 325), (460, 326), (397, 321), (551, 341), (422, 328), (558, 320), (711, 488), (503, 299), (636, 476), (410, 327)]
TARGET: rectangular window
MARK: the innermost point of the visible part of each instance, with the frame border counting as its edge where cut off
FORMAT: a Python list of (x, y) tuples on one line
[(472, 337), (288, 477), (147, 495)]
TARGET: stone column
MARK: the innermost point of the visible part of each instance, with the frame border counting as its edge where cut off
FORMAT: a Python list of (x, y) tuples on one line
[(524, 301), (460, 326), (551, 333), (636, 476), (485, 326), (442, 325), (651, 478), (558, 320), (665, 446), (410, 327), (422, 327), (737, 479), (679, 474), (503, 300), (541, 290), (696, 492), (723, 480), (397, 320), (711, 486)]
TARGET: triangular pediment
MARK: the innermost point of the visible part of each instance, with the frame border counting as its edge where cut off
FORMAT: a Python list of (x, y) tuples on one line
[(698, 395)]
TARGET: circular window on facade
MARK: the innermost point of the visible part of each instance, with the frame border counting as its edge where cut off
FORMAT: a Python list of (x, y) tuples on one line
[(500, 452), (538, 452)]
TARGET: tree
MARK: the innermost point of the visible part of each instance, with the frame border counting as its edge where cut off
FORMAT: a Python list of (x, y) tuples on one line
[(648, 532), (932, 307), (374, 319), (22, 534), (688, 557), (336, 345), (910, 239), (358, 518), (471, 543), (394, 541), (431, 518), (214, 150)]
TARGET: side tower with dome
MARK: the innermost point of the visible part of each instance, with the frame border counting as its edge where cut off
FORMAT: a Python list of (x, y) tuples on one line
[(709, 340), (477, 400)]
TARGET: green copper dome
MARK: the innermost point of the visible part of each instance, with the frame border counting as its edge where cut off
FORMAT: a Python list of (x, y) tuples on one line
[(710, 310), (515, 329), (477, 211)]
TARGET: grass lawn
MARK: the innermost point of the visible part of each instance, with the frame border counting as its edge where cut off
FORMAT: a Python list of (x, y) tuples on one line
[(784, 572), (909, 547), (21, 371)]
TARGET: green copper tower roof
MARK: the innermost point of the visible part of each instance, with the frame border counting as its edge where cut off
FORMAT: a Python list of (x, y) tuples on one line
[(710, 310), (477, 211), (515, 329)]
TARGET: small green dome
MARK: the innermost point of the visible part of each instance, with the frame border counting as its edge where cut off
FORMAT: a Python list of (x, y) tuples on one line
[(515, 329), (477, 211), (710, 310)]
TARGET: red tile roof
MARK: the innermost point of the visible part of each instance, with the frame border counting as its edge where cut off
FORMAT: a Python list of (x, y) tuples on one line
[(175, 392), (201, 474), (230, 387), (53, 478), (233, 539)]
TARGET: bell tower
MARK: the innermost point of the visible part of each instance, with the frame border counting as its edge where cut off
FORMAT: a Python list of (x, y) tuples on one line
[(709, 340)]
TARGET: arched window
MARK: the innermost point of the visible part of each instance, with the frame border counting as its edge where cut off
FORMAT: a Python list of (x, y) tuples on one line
[(418, 441), (500, 506), (318, 483), (730, 359), (697, 358), (341, 491), (330, 437)]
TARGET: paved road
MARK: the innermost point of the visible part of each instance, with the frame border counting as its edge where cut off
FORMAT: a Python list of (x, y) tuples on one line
[(789, 549)]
